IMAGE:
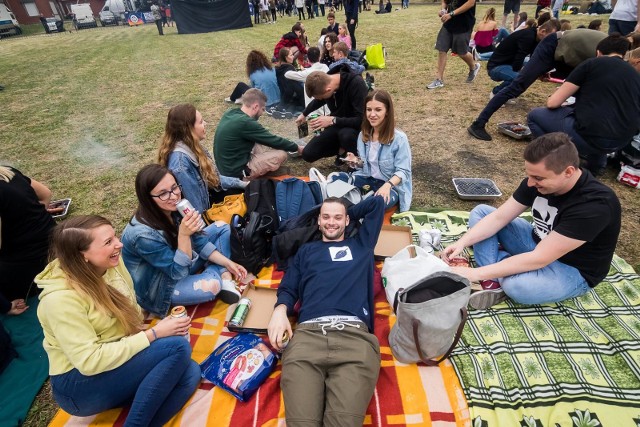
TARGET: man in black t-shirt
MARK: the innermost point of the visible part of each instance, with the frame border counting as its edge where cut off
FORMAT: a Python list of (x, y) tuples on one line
[(566, 251), (606, 114), (458, 18)]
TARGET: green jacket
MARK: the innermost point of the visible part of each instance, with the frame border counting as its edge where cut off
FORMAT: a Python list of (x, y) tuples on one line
[(234, 139)]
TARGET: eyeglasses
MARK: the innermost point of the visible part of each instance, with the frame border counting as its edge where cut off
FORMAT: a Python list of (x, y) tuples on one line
[(176, 190)]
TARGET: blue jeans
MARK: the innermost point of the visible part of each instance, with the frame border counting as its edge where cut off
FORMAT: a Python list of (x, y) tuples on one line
[(504, 74), (553, 283), (195, 288), (156, 382), (541, 62), (373, 183), (503, 33), (545, 120)]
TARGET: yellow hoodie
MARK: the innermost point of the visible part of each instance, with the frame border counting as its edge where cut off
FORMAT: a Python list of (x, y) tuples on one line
[(76, 334)]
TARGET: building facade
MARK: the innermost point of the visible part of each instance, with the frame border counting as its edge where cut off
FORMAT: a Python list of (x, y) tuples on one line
[(28, 11)]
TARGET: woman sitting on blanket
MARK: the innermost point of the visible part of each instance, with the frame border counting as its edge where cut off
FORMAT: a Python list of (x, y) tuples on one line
[(100, 357), (262, 76), (182, 152), (384, 155), (170, 260)]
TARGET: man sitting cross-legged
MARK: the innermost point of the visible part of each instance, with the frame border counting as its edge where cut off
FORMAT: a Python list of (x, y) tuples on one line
[(344, 93), (242, 147), (566, 251), (331, 365)]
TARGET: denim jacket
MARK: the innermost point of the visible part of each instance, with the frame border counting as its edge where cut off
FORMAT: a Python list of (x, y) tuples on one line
[(393, 159), (183, 163), (156, 267)]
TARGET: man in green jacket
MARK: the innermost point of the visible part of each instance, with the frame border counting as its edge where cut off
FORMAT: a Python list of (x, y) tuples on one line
[(242, 147)]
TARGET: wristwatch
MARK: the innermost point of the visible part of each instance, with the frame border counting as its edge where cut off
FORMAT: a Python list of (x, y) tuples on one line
[(452, 13)]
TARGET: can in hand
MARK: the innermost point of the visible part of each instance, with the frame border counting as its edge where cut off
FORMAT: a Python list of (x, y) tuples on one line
[(285, 340), (184, 207), (177, 312), (240, 313), (312, 117)]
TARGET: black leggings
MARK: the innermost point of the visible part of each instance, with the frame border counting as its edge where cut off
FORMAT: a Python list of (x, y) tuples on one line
[(352, 33), (329, 142), (239, 90), (301, 13)]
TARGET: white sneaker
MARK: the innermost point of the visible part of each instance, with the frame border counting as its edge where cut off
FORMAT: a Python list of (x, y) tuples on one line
[(229, 293), (228, 99), (437, 83)]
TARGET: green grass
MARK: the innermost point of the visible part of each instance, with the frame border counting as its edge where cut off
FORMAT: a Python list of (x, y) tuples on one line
[(83, 111)]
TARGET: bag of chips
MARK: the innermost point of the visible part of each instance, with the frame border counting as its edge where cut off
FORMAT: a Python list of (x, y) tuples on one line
[(240, 365)]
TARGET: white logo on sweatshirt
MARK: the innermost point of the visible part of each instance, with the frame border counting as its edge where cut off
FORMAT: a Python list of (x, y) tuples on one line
[(340, 253)]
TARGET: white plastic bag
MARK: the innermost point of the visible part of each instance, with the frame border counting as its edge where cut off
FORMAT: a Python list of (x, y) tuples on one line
[(402, 270), (317, 176), (345, 190), (629, 176)]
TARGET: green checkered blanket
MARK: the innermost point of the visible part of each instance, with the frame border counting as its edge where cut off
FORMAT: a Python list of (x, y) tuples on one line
[(575, 363)]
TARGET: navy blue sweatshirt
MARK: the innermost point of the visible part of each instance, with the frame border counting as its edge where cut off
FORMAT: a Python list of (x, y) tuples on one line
[(336, 278)]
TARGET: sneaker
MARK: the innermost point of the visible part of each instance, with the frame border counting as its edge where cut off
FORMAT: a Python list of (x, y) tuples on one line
[(228, 99), (485, 299), (510, 101), (474, 52), (489, 284), (239, 101), (269, 111), (437, 83), (229, 293), (478, 131), (473, 73)]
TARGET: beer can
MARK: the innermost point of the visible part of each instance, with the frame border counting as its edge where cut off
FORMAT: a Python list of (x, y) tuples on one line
[(184, 207), (177, 312), (240, 313), (285, 340), (312, 117)]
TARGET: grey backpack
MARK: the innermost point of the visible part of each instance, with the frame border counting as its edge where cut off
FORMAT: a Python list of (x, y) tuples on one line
[(431, 314)]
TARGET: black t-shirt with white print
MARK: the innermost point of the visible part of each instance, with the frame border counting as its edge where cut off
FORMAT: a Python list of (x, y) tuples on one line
[(590, 211)]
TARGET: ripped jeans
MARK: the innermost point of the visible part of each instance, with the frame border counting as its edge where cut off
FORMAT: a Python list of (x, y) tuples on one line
[(203, 285)]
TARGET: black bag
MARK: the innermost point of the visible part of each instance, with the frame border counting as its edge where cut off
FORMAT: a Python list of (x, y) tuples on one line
[(260, 196), (7, 352), (251, 241)]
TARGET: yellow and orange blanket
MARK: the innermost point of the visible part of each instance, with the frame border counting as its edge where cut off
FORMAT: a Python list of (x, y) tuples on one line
[(406, 395)]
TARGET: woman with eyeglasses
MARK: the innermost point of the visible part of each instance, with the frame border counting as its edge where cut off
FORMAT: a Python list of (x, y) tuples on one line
[(170, 260), (182, 152)]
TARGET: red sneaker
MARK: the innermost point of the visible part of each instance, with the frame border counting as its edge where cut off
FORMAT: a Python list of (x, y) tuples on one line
[(490, 285)]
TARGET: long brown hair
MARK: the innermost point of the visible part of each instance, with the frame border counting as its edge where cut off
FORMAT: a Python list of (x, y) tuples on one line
[(388, 125), (181, 121), (148, 212), (256, 61), (69, 240), (333, 37)]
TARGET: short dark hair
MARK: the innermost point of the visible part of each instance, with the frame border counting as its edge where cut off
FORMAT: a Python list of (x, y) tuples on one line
[(595, 24), (615, 43), (554, 149), (324, 31), (339, 201), (313, 54), (550, 26)]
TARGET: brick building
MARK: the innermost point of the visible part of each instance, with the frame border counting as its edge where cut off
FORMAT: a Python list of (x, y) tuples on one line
[(28, 11)]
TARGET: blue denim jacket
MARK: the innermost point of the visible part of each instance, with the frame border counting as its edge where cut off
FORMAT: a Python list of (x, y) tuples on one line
[(267, 82), (155, 267), (393, 159), (194, 188)]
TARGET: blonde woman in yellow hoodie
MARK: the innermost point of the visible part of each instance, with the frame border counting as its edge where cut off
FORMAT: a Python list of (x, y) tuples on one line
[(99, 356)]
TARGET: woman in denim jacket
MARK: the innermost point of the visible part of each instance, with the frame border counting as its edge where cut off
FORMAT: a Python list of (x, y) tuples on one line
[(169, 259), (384, 155), (182, 152)]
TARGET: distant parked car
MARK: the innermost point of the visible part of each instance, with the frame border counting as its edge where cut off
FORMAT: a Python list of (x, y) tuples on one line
[(55, 25), (83, 16)]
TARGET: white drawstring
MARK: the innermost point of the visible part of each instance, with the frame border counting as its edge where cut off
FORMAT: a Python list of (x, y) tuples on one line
[(337, 324)]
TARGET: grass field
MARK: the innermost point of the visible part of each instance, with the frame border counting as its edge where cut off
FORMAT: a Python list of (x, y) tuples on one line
[(83, 111)]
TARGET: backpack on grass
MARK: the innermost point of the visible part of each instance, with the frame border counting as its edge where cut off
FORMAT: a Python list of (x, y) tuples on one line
[(251, 241)]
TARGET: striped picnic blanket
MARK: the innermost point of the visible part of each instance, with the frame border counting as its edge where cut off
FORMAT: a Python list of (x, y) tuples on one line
[(575, 363), (406, 395)]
